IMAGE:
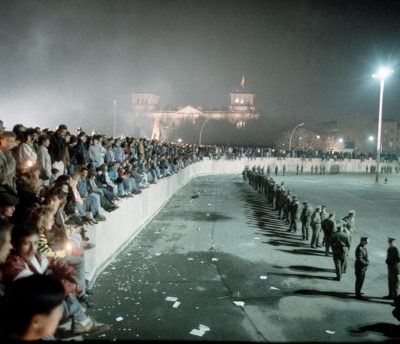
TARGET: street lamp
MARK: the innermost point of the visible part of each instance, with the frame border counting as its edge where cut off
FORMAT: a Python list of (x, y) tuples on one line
[(201, 129), (382, 74), (291, 135), (370, 138), (340, 140)]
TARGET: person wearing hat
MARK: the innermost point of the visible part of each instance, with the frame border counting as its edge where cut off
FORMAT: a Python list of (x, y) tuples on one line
[(340, 243), (305, 219), (361, 265), (393, 264), (350, 221), (294, 215), (328, 227), (316, 227), (8, 202)]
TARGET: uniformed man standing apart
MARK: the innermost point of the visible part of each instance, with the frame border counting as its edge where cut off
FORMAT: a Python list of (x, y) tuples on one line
[(294, 215), (340, 243), (305, 219), (361, 265), (393, 262)]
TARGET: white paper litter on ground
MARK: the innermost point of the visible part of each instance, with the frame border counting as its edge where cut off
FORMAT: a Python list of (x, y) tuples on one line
[(207, 214), (157, 254), (190, 258), (209, 204), (263, 277), (239, 303), (176, 304), (119, 319), (129, 254), (204, 328), (330, 332), (257, 238), (171, 298), (215, 259), (273, 288), (196, 332)]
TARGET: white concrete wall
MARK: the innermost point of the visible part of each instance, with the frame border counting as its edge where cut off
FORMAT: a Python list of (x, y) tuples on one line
[(122, 225)]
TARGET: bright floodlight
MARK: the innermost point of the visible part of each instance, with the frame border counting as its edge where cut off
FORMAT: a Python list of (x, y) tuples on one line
[(383, 73), (179, 140), (371, 138), (341, 140), (318, 137)]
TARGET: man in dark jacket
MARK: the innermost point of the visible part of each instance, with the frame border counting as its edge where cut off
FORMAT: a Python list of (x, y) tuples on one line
[(328, 227), (393, 262), (57, 148), (361, 265)]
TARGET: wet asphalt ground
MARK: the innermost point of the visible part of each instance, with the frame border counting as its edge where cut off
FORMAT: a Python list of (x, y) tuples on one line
[(227, 245)]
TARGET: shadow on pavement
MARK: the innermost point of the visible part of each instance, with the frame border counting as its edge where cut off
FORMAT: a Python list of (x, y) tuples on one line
[(310, 268), (309, 252), (340, 295), (388, 330), (284, 243), (283, 274)]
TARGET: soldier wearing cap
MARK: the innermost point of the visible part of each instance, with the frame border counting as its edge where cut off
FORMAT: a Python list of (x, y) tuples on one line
[(328, 227), (361, 265), (350, 221), (393, 262), (340, 243), (294, 214), (316, 227), (305, 219)]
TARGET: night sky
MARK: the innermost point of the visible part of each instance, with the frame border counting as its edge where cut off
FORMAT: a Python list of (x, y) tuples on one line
[(65, 61)]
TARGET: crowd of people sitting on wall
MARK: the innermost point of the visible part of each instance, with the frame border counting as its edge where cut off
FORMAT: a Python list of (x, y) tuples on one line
[(52, 185)]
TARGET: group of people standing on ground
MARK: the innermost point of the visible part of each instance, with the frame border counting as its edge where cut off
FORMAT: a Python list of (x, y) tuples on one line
[(337, 235)]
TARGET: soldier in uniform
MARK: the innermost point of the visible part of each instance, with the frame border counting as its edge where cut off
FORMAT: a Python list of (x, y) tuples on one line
[(361, 265), (286, 207), (316, 169), (276, 170), (393, 262), (284, 169), (297, 170), (294, 215), (281, 203), (316, 227), (340, 243), (305, 219), (350, 221), (278, 193), (328, 227), (268, 171), (301, 169)]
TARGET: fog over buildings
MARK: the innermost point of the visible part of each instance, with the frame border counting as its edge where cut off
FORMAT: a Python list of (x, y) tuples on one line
[(307, 61)]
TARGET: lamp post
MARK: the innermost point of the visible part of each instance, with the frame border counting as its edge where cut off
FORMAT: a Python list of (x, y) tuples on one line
[(382, 74), (291, 135), (115, 116), (201, 129)]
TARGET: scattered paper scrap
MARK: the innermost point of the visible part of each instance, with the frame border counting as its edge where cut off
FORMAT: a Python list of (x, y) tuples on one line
[(257, 238), (129, 254), (239, 303), (196, 332), (157, 254), (176, 304), (204, 328), (273, 288), (171, 298), (263, 277), (190, 258), (209, 204), (198, 228), (207, 214), (330, 332), (215, 259), (119, 319)]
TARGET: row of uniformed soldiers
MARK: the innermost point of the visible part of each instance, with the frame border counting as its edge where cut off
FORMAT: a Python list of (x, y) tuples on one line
[(337, 236)]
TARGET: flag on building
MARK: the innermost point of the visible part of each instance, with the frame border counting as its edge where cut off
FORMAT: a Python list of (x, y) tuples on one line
[(242, 82)]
